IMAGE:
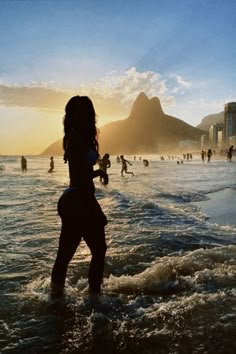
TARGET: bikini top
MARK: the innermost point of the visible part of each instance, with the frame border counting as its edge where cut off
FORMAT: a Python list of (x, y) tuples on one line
[(92, 157)]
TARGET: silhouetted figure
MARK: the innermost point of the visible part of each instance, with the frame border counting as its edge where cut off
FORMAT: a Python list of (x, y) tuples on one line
[(230, 153), (51, 169), (80, 213), (145, 162), (124, 167), (203, 155), (23, 164), (104, 164), (118, 159), (209, 155)]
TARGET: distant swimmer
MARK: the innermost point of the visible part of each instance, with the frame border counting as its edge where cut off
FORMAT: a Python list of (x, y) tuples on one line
[(104, 164), (230, 153), (145, 162), (203, 155), (23, 164), (51, 165), (124, 167), (209, 155)]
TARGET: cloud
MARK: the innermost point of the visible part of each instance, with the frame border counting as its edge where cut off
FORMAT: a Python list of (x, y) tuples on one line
[(178, 85), (116, 93), (182, 82), (112, 94), (39, 97)]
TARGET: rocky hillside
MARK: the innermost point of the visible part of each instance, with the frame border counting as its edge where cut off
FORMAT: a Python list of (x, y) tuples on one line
[(210, 120)]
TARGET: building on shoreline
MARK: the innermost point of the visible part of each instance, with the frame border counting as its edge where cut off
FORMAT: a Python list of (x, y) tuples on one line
[(204, 141), (215, 134), (229, 123)]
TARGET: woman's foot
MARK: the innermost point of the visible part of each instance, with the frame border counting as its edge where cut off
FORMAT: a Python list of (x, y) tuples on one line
[(56, 290), (89, 291)]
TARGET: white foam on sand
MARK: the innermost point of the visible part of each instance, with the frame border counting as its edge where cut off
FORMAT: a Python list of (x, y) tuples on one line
[(221, 207)]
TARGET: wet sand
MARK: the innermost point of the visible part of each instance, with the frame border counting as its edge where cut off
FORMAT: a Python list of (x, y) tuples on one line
[(221, 207)]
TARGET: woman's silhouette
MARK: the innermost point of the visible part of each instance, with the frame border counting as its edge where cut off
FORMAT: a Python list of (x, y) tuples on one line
[(80, 213)]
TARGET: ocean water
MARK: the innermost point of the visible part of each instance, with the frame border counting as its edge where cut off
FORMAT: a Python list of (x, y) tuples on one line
[(170, 275)]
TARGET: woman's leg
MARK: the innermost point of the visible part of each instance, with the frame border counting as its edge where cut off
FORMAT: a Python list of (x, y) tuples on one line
[(69, 241), (95, 239)]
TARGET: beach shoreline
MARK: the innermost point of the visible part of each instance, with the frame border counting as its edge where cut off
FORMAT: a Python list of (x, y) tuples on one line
[(220, 207)]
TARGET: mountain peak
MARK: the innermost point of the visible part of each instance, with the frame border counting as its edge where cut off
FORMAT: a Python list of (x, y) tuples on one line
[(155, 103), (143, 105), (142, 96)]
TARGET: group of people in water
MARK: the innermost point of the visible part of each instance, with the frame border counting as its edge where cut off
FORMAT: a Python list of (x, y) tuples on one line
[(105, 163), (206, 154), (24, 164)]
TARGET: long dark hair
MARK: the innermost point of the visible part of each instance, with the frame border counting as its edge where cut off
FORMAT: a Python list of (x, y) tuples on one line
[(80, 120)]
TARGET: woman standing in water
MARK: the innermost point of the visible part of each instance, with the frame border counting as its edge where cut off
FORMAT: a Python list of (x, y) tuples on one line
[(51, 169), (104, 164), (80, 213)]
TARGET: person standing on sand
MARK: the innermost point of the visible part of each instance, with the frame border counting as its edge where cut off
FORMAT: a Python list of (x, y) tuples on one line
[(124, 167), (80, 212)]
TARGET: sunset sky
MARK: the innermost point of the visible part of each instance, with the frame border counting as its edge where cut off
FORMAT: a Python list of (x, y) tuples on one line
[(180, 51)]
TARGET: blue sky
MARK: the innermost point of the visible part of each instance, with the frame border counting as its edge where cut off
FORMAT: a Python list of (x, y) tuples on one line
[(180, 51)]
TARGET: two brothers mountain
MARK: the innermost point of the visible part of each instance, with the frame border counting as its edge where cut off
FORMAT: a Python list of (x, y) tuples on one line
[(147, 129)]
